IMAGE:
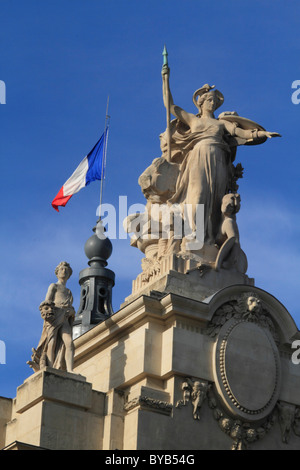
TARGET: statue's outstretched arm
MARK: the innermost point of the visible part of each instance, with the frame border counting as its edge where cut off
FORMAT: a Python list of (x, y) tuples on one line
[(249, 133), (254, 134)]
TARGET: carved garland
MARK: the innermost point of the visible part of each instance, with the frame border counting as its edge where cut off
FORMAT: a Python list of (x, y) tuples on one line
[(147, 402), (242, 433)]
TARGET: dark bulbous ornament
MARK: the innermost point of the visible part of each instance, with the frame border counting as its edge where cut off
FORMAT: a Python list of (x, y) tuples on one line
[(98, 248)]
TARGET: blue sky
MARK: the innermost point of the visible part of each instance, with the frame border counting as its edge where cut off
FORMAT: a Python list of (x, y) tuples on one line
[(60, 60)]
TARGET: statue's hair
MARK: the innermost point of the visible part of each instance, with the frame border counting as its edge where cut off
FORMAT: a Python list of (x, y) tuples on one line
[(246, 295), (64, 263), (203, 93)]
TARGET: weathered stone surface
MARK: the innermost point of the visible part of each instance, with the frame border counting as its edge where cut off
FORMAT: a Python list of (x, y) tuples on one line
[(160, 354), (5, 416), (56, 410), (155, 376)]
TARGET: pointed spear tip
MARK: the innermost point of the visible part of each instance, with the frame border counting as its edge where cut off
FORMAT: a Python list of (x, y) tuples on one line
[(165, 54)]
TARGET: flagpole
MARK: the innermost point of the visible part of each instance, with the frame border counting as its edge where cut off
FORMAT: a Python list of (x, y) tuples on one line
[(106, 127)]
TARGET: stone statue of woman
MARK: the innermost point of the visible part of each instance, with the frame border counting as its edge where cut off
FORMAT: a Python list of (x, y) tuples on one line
[(55, 348), (205, 147), (185, 226)]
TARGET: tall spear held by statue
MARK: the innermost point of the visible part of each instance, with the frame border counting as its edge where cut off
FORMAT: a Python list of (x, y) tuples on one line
[(166, 94)]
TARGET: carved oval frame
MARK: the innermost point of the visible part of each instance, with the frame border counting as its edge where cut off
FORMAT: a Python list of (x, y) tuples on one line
[(222, 385)]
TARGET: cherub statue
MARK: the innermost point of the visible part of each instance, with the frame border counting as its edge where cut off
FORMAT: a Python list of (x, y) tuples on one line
[(55, 348), (198, 395)]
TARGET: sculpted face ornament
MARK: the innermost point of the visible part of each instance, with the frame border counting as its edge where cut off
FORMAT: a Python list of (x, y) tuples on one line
[(254, 304), (47, 310)]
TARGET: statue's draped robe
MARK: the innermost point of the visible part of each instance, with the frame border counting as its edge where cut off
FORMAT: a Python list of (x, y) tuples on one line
[(51, 330), (205, 172)]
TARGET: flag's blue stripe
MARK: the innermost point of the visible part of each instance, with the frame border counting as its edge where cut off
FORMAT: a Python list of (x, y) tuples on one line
[(95, 159)]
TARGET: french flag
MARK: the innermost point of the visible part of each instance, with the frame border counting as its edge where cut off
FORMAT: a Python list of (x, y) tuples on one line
[(91, 168)]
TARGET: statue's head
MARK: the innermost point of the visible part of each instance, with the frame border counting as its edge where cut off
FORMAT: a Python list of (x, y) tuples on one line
[(63, 270), (231, 203), (196, 386), (207, 96)]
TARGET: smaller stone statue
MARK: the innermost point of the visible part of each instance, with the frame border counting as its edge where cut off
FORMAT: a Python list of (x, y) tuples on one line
[(55, 348), (230, 255), (198, 395), (186, 392)]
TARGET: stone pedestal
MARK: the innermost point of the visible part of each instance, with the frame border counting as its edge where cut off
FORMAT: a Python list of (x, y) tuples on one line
[(186, 276), (167, 372), (184, 374), (56, 410)]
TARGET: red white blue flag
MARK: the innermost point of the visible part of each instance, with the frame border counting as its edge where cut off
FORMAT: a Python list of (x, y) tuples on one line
[(91, 168)]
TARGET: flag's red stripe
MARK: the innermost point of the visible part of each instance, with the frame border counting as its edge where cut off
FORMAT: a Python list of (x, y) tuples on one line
[(60, 199)]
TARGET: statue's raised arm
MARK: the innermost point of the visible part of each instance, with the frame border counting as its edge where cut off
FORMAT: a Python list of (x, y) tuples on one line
[(178, 112)]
